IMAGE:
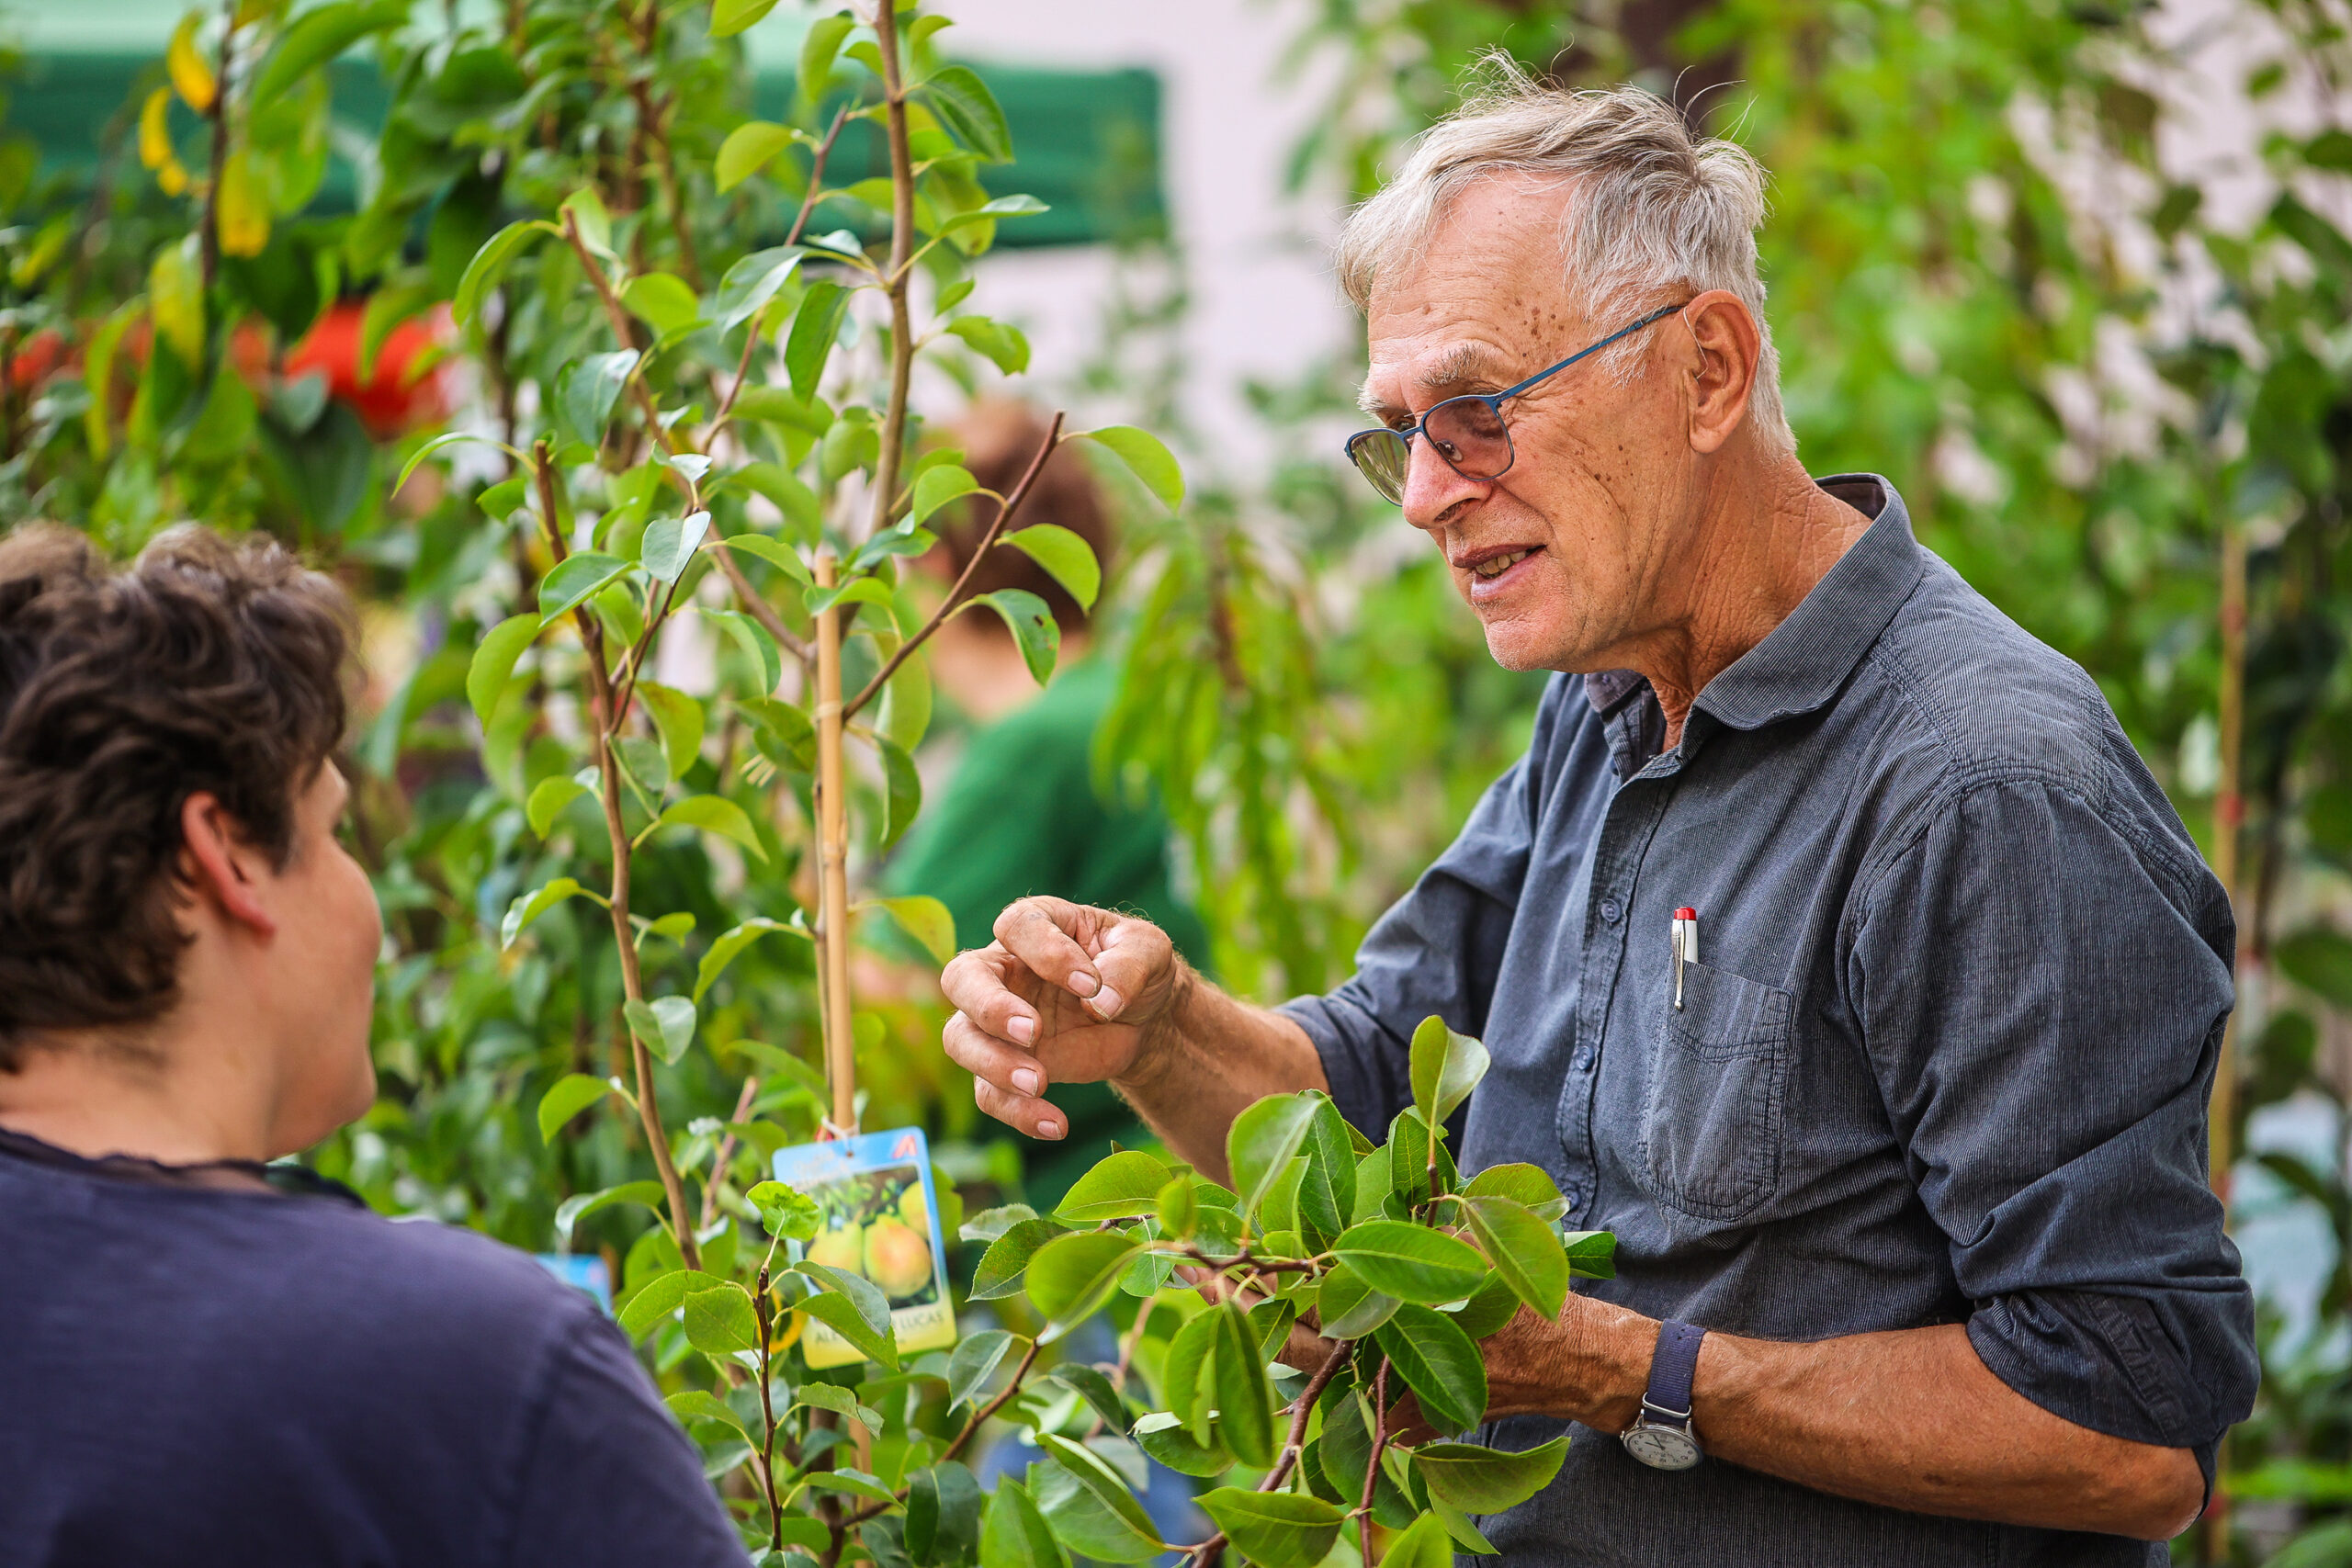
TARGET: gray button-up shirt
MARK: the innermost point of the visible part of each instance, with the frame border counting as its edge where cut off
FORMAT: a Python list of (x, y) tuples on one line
[(1944, 1056)]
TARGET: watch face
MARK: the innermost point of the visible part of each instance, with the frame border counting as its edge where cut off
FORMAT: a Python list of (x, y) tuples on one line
[(1661, 1447)]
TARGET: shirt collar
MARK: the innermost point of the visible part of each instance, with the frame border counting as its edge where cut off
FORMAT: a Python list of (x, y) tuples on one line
[(1805, 661)]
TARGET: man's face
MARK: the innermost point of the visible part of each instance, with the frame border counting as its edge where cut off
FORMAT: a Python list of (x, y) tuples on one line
[(322, 972), (1588, 516)]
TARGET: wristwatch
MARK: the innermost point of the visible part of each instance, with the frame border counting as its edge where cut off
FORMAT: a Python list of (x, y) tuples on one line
[(1660, 1435)]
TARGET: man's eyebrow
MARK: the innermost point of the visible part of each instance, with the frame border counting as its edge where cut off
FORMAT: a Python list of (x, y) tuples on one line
[(1463, 365)]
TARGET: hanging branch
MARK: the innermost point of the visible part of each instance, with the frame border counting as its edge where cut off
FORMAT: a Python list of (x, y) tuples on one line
[(1006, 509)]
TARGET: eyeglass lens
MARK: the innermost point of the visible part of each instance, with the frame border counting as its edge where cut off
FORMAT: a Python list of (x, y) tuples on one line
[(1468, 433)]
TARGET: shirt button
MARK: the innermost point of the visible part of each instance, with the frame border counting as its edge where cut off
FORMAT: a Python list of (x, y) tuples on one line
[(1584, 1057), (1610, 909)]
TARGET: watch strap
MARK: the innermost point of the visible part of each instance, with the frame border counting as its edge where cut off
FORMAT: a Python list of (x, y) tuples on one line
[(1673, 1365)]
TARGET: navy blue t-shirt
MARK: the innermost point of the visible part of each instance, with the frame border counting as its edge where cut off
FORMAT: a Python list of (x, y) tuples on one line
[(194, 1374)]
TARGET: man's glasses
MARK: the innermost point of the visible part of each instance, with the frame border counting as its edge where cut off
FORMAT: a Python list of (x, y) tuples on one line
[(1467, 431)]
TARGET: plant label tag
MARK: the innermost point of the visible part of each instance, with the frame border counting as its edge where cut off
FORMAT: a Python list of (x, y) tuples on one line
[(882, 1225)]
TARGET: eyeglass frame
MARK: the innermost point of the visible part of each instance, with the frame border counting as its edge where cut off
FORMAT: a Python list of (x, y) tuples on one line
[(1494, 401)]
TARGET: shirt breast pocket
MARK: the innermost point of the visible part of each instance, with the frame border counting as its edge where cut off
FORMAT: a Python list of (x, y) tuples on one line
[(1719, 1069)]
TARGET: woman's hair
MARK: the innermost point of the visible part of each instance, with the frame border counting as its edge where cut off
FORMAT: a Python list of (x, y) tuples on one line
[(999, 439), (204, 666)]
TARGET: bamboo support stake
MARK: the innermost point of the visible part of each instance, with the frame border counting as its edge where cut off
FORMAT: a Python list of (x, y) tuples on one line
[(2229, 816), (832, 865)]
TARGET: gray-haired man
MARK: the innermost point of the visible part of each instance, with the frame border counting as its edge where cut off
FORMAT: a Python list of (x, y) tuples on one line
[(1908, 1179)]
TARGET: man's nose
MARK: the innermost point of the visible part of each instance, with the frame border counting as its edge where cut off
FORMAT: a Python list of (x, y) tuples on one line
[(1433, 491)]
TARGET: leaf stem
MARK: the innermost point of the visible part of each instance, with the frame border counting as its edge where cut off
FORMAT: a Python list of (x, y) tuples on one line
[(947, 606)]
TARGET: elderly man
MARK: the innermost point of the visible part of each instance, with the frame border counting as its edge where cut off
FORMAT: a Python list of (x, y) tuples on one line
[(1904, 1145)]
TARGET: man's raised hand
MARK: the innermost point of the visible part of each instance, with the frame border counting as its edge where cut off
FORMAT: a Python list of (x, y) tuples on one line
[(1066, 994)]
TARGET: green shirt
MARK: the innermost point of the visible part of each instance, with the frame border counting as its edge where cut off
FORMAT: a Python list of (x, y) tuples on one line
[(1021, 815)]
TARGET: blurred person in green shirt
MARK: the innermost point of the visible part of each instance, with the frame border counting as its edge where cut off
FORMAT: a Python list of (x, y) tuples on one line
[(1021, 814)]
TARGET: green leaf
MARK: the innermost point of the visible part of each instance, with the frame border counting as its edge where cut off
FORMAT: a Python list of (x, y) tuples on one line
[(1188, 1376), (530, 905), (1164, 1437), (1262, 1141), (1094, 1473), (902, 790), (729, 17), (905, 709), (1033, 626), (1490, 1306), (447, 438), (1349, 1308), (990, 212), (943, 1514), (1439, 1363), (804, 514), (678, 719), (758, 278), (1004, 1268), (1524, 1251), (1143, 453), (1005, 346), (1327, 1192), (872, 1306), (966, 107), (1423, 1544), (1524, 1184), (666, 1024), (720, 1321), (1016, 1534), (662, 302), (175, 299), (776, 552), (715, 814), (1445, 1067), (1593, 1255), (574, 1209), (494, 659), (733, 941), (852, 1483), (571, 1095), (643, 761), (754, 640), (1124, 1187), (810, 341), (927, 921), (700, 1405), (1177, 1208), (818, 45), (1275, 1529), (1244, 1399), (786, 1211), (842, 1315), (489, 265), (2320, 960), (317, 37), (590, 217), (587, 390), (574, 580), (974, 1362), (934, 488), (1459, 1526), (660, 1296), (1066, 557), (1072, 1276), (671, 541), (1411, 1262), (747, 150), (856, 591), (1488, 1481)]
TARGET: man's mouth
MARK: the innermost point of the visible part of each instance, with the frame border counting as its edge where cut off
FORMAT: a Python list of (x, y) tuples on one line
[(1487, 565)]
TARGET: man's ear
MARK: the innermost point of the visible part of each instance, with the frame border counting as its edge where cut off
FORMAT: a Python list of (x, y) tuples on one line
[(1725, 348), (221, 867)]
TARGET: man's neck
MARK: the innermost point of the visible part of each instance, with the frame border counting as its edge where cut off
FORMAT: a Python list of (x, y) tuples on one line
[(96, 1095), (1765, 539)]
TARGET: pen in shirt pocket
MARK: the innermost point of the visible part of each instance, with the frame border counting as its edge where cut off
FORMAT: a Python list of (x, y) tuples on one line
[(1686, 947)]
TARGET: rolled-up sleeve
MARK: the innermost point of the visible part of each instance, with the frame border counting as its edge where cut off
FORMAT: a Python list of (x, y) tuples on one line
[(1436, 951), (2042, 986)]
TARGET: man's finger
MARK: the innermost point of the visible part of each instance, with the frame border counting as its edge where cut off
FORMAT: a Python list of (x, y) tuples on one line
[(1037, 931), (985, 1056), (1033, 1116), (974, 984), (1133, 954)]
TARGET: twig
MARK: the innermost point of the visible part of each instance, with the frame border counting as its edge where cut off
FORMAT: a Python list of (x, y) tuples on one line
[(895, 280), (762, 611), (875, 1510), (1302, 1411), (1372, 1465), (600, 697), (947, 606), (656, 120), (619, 318), (208, 241), (799, 223), (727, 1150), (767, 1404)]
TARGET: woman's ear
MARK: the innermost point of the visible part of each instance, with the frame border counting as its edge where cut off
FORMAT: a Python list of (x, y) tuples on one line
[(1723, 370), (220, 866)]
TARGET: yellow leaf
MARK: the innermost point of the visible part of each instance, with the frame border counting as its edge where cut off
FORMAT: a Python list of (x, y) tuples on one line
[(155, 129), (188, 70), (172, 176), (243, 211), (176, 294)]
